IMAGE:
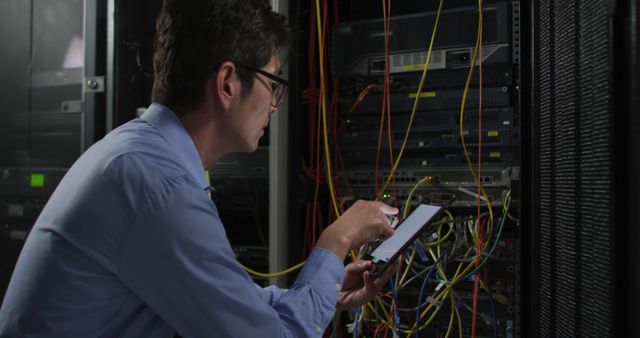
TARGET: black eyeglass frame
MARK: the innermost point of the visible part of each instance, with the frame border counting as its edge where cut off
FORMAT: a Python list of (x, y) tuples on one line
[(270, 76)]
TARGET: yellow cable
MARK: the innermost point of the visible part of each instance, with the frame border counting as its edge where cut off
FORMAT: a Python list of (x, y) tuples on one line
[(406, 270), (208, 175), (462, 106), (446, 236), (407, 203), (453, 312), (376, 313), (384, 309), (274, 274), (439, 266), (415, 103), (456, 279), (443, 294), (459, 323), (324, 111), (252, 272)]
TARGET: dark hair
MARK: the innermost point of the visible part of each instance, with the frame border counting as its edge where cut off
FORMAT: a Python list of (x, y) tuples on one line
[(195, 36)]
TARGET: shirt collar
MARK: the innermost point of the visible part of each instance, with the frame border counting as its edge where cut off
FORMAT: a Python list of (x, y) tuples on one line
[(170, 127)]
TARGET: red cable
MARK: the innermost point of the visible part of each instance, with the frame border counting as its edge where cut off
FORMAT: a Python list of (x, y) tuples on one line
[(317, 190), (480, 229), (312, 73)]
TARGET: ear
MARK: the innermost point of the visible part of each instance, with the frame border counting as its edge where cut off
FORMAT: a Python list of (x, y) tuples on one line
[(225, 84)]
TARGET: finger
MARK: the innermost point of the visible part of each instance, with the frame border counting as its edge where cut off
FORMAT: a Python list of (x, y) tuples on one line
[(387, 209), (386, 231), (369, 284), (382, 280), (357, 267)]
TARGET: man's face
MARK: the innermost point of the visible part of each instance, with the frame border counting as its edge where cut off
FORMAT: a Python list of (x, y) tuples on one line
[(248, 122)]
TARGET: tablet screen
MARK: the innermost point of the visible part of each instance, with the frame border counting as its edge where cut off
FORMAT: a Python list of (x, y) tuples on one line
[(405, 231)]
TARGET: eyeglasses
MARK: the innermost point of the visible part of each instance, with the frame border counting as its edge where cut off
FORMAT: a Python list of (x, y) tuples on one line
[(278, 87)]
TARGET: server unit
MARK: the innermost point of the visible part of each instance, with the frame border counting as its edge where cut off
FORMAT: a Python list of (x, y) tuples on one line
[(52, 105)]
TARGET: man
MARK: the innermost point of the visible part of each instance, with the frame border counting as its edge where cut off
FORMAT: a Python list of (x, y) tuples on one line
[(130, 245)]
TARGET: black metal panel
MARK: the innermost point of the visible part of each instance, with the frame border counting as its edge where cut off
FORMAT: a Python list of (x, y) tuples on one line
[(14, 100), (50, 47), (575, 142), (546, 145)]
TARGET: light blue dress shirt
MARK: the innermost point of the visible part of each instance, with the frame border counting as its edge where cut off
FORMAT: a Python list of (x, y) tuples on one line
[(130, 245)]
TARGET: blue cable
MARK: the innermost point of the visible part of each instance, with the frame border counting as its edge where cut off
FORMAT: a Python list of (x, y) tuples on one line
[(424, 284), (396, 314), (493, 247), (355, 322)]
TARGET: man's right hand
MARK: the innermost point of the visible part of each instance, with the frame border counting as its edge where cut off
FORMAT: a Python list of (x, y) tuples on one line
[(364, 221)]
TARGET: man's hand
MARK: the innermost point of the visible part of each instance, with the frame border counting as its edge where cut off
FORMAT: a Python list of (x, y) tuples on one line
[(363, 222), (359, 287)]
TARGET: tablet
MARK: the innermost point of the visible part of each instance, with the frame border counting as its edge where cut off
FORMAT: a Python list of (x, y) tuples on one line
[(405, 233)]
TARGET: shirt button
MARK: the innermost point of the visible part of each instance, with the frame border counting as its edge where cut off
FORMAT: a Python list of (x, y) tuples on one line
[(338, 286), (318, 329)]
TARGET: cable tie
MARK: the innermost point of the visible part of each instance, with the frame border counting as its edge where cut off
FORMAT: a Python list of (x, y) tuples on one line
[(434, 302), (439, 286), (394, 220), (350, 327), (487, 319)]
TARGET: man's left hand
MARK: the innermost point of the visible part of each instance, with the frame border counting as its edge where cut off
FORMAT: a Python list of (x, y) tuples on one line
[(359, 286)]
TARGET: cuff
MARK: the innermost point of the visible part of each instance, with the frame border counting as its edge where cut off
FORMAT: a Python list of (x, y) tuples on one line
[(324, 271)]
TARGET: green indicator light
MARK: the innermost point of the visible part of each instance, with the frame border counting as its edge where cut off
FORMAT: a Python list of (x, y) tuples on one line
[(37, 180)]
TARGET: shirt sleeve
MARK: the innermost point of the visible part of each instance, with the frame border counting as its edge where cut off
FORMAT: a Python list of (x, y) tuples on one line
[(178, 260), (270, 294)]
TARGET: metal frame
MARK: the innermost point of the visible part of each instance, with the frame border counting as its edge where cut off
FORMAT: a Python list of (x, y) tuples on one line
[(87, 132), (110, 78), (278, 178)]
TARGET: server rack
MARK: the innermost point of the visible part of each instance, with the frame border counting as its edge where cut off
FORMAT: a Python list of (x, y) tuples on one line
[(52, 105)]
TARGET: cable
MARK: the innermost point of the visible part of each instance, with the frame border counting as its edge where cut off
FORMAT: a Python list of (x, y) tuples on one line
[(323, 101), (394, 305), (459, 323), (274, 274), (355, 323), (461, 122), (506, 205), (493, 305), (424, 283), (407, 203), (415, 103), (260, 274), (476, 281), (451, 318), (406, 270)]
